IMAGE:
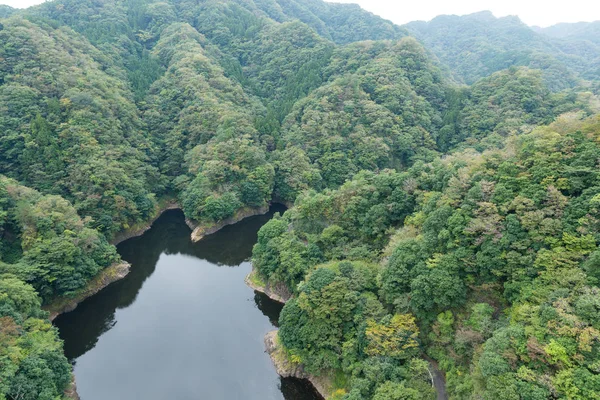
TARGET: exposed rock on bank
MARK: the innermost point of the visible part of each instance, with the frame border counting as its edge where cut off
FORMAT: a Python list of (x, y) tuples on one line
[(71, 391), (278, 292), (287, 368), (107, 276), (200, 230), (284, 366)]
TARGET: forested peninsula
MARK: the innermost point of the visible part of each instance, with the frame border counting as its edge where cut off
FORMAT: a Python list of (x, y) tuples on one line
[(442, 180)]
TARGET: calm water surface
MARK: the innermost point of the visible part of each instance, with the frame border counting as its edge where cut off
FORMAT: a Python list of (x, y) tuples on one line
[(182, 325)]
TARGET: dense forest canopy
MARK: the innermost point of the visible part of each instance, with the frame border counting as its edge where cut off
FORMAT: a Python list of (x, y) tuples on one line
[(442, 179)]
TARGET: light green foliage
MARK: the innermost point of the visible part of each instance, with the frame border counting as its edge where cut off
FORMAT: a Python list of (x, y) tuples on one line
[(396, 391), (51, 247), (395, 337)]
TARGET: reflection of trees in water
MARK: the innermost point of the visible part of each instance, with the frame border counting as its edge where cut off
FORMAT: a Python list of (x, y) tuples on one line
[(230, 246), (81, 328), (298, 389), (270, 308)]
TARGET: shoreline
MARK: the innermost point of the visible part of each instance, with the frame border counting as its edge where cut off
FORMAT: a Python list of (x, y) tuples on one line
[(104, 278), (120, 270), (139, 231), (200, 230), (278, 293), (71, 390), (283, 365), (286, 368)]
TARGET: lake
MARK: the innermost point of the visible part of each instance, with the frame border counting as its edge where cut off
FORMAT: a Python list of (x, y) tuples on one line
[(182, 325)]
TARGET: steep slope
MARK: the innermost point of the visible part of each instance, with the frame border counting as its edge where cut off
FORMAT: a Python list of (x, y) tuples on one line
[(193, 102), (341, 23), (6, 11), (69, 125), (383, 115), (107, 106), (579, 40), (493, 270)]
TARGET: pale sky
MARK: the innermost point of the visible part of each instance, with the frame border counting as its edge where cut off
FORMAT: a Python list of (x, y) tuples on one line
[(532, 12)]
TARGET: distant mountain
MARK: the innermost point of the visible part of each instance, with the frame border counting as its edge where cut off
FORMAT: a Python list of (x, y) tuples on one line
[(476, 45), (579, 31)]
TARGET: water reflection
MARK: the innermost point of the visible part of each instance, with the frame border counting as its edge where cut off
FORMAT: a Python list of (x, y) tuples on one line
[(269, 308), (178, 326)]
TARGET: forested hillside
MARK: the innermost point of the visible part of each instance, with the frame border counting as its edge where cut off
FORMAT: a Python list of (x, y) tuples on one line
[(443, 178), (474, 46), (488, 262), (579, 30)]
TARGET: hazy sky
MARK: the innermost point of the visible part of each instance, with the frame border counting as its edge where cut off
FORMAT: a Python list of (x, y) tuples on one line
[(532, 12)]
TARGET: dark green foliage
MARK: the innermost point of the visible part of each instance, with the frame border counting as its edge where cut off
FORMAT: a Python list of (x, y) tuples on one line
[(46, 244), (285, 63), (6, 11), (385, 114), (32, 364), (342, 23), (512, 233), (294, 173), (353, 221), (70, 128)]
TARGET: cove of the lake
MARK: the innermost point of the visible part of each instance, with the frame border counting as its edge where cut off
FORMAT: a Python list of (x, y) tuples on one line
[(182, 325)]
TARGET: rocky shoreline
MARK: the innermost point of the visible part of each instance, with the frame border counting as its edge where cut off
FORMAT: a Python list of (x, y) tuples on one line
[(71, 391), (278, 292), (283, 365), (199, 231), (107, 276), (289, 369)]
